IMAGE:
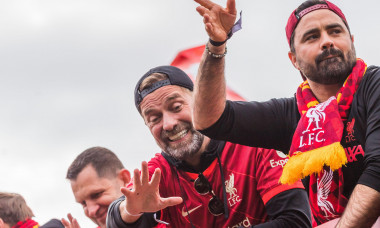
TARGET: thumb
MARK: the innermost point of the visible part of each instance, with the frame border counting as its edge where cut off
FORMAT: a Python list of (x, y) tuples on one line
[(171, 201)]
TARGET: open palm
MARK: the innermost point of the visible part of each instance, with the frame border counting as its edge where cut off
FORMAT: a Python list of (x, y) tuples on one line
[(145, 196), (218, 20)]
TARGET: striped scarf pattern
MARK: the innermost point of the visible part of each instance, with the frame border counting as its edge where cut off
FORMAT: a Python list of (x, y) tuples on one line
[(322, 158)]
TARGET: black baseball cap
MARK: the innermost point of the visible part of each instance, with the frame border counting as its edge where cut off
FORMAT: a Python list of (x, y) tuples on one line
[(175, 75)]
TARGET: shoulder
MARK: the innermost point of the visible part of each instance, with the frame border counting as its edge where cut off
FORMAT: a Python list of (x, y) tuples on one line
[(274, 102), (372, 75), (370, 84), (157, 160)]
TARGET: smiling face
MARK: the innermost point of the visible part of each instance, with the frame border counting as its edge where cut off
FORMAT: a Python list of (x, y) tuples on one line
[(95, 194), (324, 50), (168, 114)]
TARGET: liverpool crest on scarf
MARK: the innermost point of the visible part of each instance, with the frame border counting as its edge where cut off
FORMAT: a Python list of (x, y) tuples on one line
[(316, 143), (316, 150)]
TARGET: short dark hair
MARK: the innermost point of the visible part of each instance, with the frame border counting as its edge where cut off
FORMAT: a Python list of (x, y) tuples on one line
[(13, 208), (306, 5), (104, 161)]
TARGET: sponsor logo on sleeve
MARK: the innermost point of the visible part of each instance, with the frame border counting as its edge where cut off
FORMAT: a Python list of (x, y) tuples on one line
[(279, 162)]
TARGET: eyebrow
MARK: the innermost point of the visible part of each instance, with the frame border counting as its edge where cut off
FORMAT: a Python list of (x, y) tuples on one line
[(172, 97), (308, 32), (335, 25), (327, 27)]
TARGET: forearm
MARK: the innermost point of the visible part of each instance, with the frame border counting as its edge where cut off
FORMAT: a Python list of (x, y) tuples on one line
[(115, 220), (289, 209), (363, 208), (210, 88)]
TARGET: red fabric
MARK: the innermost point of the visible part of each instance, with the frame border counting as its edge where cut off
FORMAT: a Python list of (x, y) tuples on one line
[(29, 223), (247, 185), (188, 61), (326, 188), (319, 126)]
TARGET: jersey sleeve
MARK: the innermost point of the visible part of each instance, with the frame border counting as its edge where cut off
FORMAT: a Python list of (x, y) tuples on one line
[(114, 219), (257, 123), (287, 205), (371, 97), (269, 169)]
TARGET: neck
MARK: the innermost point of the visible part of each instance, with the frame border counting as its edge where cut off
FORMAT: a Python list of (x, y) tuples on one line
[(195, 160), (324, 92)]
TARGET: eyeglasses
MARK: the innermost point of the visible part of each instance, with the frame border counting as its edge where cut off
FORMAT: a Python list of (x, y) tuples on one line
[(203, 186)]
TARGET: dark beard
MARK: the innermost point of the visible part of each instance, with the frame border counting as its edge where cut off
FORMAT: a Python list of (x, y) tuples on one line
[(330, 71)]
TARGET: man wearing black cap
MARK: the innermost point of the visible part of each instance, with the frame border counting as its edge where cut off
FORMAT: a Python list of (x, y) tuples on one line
[(331, 128), (198, 182)]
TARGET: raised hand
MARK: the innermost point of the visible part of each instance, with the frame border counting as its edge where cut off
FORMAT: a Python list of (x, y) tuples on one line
[(145, 196), (218, 20), (72, 223)]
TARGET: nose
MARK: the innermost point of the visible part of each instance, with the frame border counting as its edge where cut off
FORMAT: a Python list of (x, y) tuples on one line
[(92, 209), (326, 41), (169, 121)]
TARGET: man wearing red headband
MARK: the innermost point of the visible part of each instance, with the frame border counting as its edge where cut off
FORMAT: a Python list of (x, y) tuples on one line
[(331, 128)]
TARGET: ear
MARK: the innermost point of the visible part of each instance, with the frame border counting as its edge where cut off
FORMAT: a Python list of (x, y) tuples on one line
[(2, 224), (125, 176), (352, 38), (293, 59)]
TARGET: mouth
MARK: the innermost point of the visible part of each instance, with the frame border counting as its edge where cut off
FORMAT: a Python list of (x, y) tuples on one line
[(102, 217), (179, 135), (330, 57)]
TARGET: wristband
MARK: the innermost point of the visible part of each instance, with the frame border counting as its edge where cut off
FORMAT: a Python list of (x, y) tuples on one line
[(235, 28), (139, 214), (216, 56)]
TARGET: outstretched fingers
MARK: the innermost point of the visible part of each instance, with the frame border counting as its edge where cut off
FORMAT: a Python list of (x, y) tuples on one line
[(231, 6), (144, 173), (171, 201), (72, 223), (65, 223), (202, 10), (136, 179), (156, 177), (205, 3), (128, 193)]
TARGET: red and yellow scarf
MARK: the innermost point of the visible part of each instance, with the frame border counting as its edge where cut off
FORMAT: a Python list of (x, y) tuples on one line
[(29, 223), (316, 150)]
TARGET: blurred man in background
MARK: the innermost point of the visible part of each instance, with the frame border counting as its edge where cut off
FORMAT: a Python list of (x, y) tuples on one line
[(15, 213), (96, 177)]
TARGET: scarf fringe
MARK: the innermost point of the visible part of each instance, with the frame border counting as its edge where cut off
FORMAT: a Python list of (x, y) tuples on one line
[(307, 163)]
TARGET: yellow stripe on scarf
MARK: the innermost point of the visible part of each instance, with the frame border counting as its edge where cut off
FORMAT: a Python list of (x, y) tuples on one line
[(310, 162)]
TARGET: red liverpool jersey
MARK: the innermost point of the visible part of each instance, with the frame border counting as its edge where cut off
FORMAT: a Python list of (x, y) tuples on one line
[(251, 180)]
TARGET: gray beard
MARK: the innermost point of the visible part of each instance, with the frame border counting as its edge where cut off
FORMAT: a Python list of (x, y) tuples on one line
[(186, 149)]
